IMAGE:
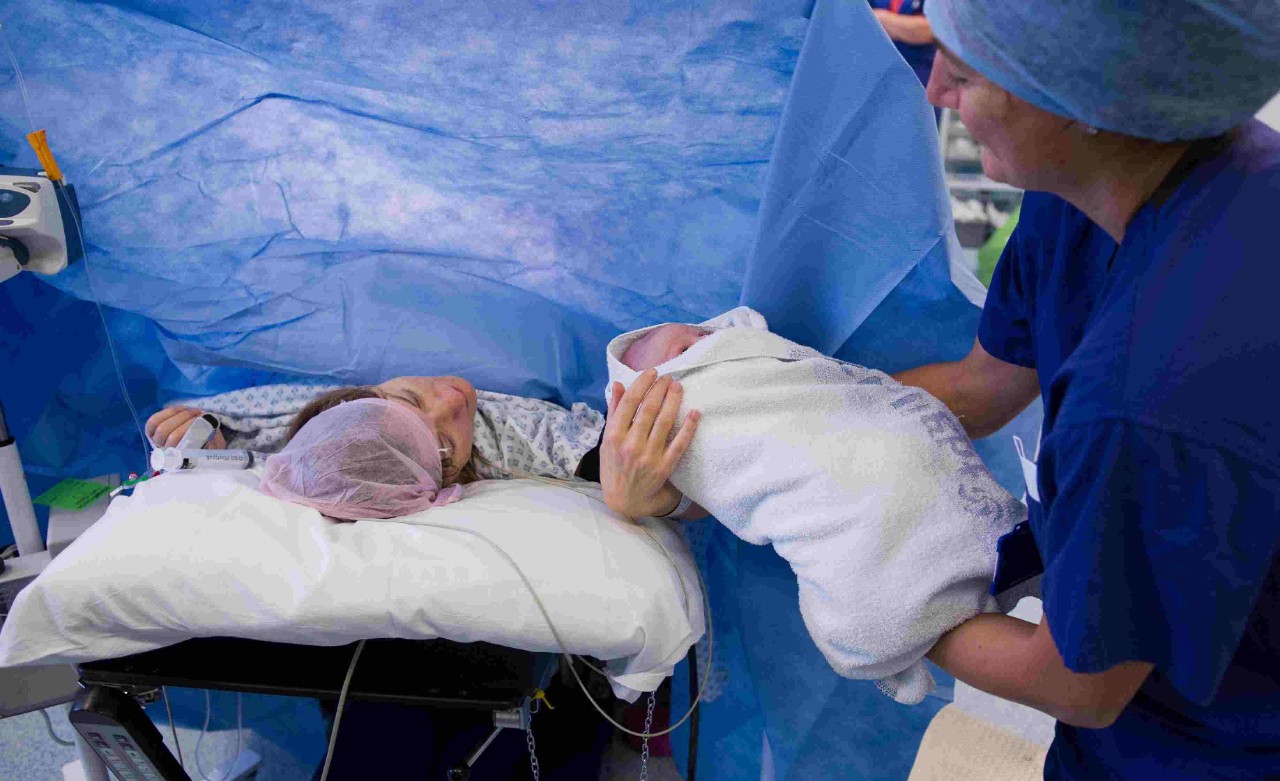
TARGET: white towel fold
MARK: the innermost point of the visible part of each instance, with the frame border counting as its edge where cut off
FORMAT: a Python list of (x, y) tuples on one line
[(870, 489)]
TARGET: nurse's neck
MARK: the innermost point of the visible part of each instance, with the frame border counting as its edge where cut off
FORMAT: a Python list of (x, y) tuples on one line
[(1110, 176)]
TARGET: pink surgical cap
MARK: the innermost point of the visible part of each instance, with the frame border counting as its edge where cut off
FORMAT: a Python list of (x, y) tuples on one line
[(368, 458)]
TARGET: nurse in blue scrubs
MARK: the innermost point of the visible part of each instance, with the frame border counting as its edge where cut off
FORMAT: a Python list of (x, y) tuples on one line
[(1139, 298)]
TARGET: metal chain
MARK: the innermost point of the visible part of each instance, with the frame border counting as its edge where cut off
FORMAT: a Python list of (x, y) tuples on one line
[(644, 749), (533, 752)]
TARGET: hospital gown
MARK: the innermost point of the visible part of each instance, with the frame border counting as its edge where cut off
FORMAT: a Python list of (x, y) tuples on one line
[(515, 435)]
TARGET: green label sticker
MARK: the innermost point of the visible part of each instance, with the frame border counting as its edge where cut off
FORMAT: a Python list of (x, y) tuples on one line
[(73, 494)]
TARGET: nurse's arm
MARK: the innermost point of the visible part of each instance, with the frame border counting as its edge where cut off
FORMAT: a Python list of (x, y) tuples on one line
[(907, 28), (1018, 661), (983, 391)]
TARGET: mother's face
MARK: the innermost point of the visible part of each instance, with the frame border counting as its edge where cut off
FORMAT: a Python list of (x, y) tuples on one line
[(446, 403), (1022, 145)]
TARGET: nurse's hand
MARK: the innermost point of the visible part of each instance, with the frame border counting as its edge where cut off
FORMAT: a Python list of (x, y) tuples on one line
[(167, 427), (636, 458)]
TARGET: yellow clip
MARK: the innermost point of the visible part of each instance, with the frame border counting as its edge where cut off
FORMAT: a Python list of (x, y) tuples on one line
[(41, 145), (541, 695)]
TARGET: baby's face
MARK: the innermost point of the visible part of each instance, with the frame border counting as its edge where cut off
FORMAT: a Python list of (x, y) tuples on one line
[(661, 345)]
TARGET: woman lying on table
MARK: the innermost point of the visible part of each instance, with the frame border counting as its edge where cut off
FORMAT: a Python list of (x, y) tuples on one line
[(409, 443)]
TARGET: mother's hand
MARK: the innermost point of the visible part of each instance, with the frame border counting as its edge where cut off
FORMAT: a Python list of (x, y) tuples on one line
[(636, 459), (167, 427)]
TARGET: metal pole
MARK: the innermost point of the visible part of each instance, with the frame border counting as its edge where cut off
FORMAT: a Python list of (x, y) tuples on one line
[(17, 497), (475, 755)]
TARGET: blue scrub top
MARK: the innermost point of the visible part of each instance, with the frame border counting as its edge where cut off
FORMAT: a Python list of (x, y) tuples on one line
[(1159, 470), (920, 58)]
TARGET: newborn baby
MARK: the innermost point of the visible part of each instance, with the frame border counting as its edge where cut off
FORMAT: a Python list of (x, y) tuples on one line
[(870, 489), (661, 344)]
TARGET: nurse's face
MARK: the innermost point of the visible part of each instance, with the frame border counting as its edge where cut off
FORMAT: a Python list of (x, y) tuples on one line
[(448, 404), (1022, 145)]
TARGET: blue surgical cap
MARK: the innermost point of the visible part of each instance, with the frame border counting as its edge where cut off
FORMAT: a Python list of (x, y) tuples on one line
[(1158, 69)]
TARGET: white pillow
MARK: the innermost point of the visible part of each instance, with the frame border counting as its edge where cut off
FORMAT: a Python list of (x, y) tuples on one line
[(202, 555)]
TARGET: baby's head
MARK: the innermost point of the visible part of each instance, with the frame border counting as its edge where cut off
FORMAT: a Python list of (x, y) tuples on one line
[(661, 345)]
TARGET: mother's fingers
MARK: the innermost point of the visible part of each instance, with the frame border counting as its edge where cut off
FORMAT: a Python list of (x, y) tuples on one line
[(642, 425), (625, 410), (615, 395), (666, 419), (681, 441), (155, 420), (170, 432)]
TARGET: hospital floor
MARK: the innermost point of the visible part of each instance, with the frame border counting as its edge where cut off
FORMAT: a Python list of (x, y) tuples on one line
[(28, 754), (623, 764)]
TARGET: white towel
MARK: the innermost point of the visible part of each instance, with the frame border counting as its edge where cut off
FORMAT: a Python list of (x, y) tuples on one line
[(870, 489)]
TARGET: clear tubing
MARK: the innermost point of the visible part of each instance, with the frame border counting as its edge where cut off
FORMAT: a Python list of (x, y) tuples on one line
[(22, 84)]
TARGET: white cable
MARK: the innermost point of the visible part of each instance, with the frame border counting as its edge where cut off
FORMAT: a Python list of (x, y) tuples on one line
[(48, 723), (342, 698), (235, 758), (208, 714), (594, 494), (111, 345), (560, 641), (591, 493), (173, 730), (583, 490), (337, 716)]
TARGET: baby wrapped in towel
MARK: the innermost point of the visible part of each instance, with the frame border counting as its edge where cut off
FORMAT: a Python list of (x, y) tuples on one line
[(870, 489)]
